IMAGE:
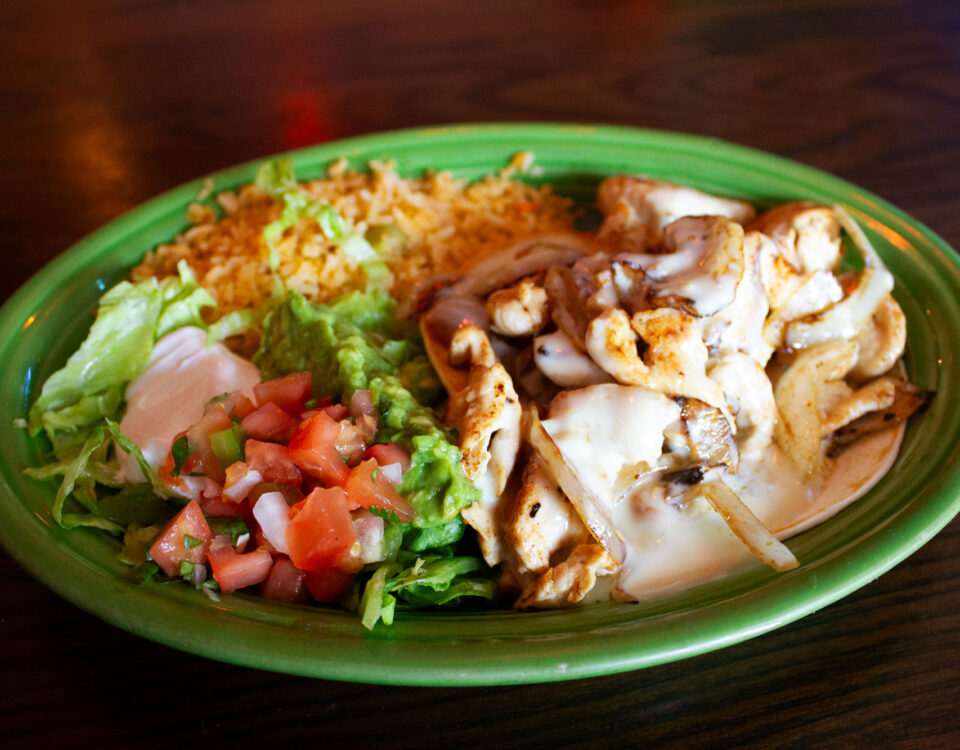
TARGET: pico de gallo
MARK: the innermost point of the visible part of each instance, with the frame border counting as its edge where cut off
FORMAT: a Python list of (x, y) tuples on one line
[(303, 476), (322, 474)]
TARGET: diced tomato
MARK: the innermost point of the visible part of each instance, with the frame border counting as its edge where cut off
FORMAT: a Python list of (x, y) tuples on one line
[(321, 530), (328, 585), (349, 443), (243, 407), (169, 548), (215, 419), (336, 412), (269, 422), (389, 453), (368, 487), (174, 483), (219, 508), (272, 461), (200, 463), (290, 393), (231, 402), (235, 571), (285, 582), (313, 448)]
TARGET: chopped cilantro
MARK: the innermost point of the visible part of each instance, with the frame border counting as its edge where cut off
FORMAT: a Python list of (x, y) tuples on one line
[(235, 527), (387, 515), (180, 452)]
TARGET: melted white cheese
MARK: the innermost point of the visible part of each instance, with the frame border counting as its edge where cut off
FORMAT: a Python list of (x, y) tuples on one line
[(181, 376), (698, 269), (669, 549), (608, 431)]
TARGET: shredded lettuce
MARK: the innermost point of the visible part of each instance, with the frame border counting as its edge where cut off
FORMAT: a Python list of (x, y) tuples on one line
[(136, 542), (136, 504), (234, 324), (78, 404), (429, 581), (133, 449), (277, 179), (130, 319)]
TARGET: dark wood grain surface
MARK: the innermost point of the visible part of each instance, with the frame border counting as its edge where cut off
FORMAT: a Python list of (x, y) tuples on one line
[(104, 104)]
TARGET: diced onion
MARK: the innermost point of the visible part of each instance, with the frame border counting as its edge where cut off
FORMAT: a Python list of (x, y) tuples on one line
[(393, 473), (846, 318), (242, 487), (369, 529), (747, 526), (272, 513), (364, 414)]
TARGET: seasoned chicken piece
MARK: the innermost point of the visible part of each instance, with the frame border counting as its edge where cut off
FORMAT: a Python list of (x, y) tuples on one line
[(778, 277), (750, 398), (807, 234), (519, 310), (470, 345), (637, 209), (739, 326), (624, 230), (814, 293), (606, 295), (567, 583), (847, 318), (881, 341), (698, 271), (542, 520), (488, 414), (559, 359), (675, 359), (448, 315)]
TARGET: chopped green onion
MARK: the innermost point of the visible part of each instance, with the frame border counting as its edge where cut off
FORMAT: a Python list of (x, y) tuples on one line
[(227, 445)]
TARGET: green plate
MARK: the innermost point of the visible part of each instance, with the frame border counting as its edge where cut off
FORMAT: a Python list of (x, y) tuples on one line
[(48, 318)]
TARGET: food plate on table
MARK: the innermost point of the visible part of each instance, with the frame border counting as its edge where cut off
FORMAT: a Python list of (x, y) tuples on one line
[(474, 645)]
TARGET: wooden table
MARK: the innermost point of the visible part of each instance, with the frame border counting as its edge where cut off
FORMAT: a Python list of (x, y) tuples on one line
[(106, 103)]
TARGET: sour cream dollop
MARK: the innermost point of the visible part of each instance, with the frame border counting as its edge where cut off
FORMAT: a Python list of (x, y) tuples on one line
[(181, 376)]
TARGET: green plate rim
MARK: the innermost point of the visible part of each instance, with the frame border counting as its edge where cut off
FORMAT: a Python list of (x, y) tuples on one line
[(504, 647)]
